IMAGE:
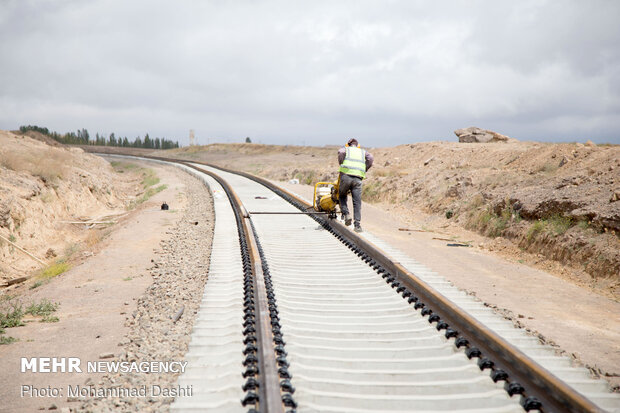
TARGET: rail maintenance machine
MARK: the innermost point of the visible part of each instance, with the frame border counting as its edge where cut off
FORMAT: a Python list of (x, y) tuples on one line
[(326, 198)]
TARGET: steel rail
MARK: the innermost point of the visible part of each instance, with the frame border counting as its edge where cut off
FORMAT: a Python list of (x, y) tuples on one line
[(553, 394), (522, 373), (270, 397)]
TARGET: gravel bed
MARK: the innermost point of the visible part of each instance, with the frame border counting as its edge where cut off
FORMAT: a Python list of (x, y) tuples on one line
[(179, 276)]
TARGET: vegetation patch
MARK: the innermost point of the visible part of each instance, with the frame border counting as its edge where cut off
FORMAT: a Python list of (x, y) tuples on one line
[(372, 191), (560, 224), (585, 225), (54, 270), (483, 219), (71, 249), (556, 225), (535, 229), (146, 195), (549, 167), (36, 284), (149, 178), (6, 340), (49, 165), (498, 225), (12, 312), (120, 166), (44, 308)]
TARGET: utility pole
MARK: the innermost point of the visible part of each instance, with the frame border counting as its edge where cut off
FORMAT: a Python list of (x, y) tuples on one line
[(191, 137)]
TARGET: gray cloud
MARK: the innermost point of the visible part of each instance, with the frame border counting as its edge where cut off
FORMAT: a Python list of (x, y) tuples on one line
[(388, 72)]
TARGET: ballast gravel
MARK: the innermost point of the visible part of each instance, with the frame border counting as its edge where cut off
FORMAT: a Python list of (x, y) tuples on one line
[(179, 277)]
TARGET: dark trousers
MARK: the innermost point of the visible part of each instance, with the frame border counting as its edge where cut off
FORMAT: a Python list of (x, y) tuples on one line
[(353, 184)]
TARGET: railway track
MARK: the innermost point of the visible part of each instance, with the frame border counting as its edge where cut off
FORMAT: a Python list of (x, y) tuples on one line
[(300, 314)]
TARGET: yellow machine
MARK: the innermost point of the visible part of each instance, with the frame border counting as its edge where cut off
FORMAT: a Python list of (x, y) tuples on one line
[(326, 197)]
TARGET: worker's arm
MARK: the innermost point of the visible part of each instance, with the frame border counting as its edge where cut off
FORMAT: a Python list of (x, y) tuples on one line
[(369, 160), (342, 152)]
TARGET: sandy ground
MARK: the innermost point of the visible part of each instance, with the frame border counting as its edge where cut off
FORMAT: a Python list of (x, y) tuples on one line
[(95, 299), (576, 319)]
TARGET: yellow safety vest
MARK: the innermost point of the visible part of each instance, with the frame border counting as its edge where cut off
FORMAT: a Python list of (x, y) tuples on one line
[(354, 162)]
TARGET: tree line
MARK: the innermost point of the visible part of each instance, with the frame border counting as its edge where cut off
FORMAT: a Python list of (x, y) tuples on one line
[(82, 137)]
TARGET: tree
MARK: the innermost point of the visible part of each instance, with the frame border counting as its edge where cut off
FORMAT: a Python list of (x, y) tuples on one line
[(248, 140)]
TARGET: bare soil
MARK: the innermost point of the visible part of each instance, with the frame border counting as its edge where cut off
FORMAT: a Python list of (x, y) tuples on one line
[(558, 201), (96, 297), (44, 191)]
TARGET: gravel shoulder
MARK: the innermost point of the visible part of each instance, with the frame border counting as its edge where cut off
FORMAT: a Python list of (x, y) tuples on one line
[(574, 318), (99, 298), (159, 328)]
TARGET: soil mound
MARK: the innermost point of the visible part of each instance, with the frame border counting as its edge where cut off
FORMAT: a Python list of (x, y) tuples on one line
[(41, 188), (558, 200)]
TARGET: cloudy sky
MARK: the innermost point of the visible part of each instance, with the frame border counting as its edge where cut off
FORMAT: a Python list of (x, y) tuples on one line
[(313, 72)]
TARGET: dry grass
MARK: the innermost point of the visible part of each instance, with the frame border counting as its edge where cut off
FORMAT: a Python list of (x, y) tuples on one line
[(93, 238), (49, 165), (372, 191), (549, 167), (387, 172)]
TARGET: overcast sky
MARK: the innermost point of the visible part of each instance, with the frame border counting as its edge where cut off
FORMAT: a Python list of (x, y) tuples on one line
[(313, 72)]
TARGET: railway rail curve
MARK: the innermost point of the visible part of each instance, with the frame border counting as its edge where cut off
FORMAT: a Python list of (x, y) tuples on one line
[(300, 314)]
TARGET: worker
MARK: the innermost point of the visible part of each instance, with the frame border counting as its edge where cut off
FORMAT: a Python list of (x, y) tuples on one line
[(354, 162)]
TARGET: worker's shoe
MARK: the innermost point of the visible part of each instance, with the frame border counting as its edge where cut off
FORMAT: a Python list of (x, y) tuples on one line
[(358, 228), (347, 220)]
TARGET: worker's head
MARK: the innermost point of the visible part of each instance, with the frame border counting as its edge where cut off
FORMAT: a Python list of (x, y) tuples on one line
[(353, 142)]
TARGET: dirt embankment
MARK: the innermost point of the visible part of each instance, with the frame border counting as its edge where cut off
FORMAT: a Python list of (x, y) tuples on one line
[(45, 189), (558, 200)]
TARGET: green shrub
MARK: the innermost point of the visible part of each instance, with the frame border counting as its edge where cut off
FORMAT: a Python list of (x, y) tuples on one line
[(535, 229), (584, 225), (44, 308), (11, 315), (36, 285), (4, 340), (560, 224), (497, 225)]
